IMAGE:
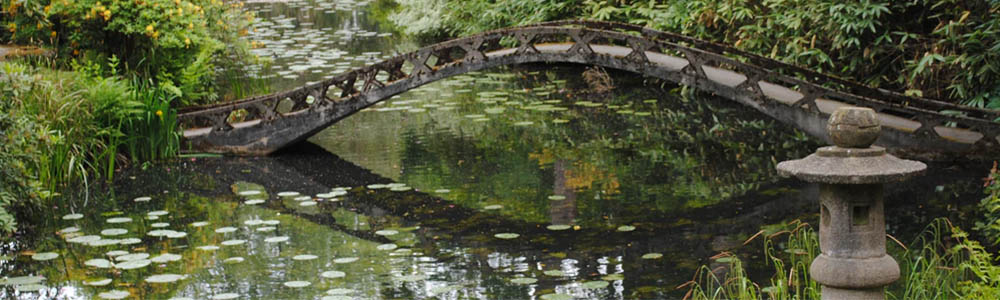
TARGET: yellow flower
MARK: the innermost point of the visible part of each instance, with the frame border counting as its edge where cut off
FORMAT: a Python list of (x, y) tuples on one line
[(53, 34), (12, 26), (159, 113), (187, 41), (149, 27), (107, 14), (156, 35)]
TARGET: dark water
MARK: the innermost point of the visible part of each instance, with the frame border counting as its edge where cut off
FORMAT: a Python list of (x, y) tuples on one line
[(507, 151)]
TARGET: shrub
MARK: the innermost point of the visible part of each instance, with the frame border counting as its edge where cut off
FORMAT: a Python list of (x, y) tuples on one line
[(177, 43)]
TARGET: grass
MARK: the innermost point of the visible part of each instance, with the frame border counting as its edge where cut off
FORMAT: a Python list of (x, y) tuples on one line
[(941, 263)]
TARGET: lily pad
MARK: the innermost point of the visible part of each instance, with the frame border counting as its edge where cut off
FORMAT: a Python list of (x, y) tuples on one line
[(524, 280), (442, 191), (555, 297), (307, 203), (297, 284), (596, 284), (133, 256), (207, 248), (411, 278), (176, 234), (34, 287), (288, 194), (225, 296), (332, 274), (226, 229), (250, 193), (493, 207), (159, 225), (305, 257), (445, 289), (276, 239), (157, 213), (119, 220), (626, 228), (557, 197), (70, 229), (266, 228), (506, 236), (98, 263), (43, 256), (233, 242), (114, 253), (558, 227), (22, 280), (253, 201), (613, 277), (199, 224), (386, 232), (84, 239), (114, 294), (142, 199), (233, 260), (340, 291), (556, 273), (114, 231), (387, 247), (72, 217), (400, 188), (98, 282), (345, 260), (652, 255), (165, 257), (133, 264), (164, 278)]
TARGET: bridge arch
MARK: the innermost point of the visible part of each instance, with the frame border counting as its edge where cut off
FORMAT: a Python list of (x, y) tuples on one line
[(790, 94)]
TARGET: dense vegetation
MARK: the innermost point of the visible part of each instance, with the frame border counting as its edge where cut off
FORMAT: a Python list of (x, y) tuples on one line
[(106, 93), (944, 49)]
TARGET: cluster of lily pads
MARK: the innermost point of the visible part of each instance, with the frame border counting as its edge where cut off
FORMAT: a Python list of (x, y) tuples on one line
[(307, 49)]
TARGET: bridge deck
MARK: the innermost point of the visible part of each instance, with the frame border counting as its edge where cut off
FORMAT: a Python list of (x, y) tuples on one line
[(774, 88)]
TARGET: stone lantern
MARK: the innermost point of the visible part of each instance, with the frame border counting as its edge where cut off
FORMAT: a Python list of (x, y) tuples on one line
[(853, 263)]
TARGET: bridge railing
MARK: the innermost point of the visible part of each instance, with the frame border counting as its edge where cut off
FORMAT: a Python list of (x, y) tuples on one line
[(521, 44)]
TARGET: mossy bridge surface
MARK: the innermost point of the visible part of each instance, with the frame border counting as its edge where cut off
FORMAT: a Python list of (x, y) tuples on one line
[(793, 95)]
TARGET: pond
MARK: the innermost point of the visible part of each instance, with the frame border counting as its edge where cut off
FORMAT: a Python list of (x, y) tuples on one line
[(536, 181)]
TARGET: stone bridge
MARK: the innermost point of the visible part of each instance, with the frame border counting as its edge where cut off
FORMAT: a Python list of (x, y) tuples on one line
[(790, 94)]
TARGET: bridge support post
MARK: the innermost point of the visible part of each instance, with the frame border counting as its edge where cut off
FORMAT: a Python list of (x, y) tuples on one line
[(853, 263)]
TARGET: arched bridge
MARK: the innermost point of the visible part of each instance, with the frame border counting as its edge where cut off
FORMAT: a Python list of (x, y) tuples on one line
[(793, 95)]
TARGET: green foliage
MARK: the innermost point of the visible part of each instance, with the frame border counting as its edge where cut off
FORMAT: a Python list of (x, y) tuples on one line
[(176, 43), (945, 49), (990, 207), (62, 128)]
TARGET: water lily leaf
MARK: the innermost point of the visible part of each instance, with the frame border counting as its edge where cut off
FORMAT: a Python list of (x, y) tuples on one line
[(159, 225), (613, 277), (386, 232), (119, 220), (43, 256), (288, 194), (72, 217), (114, 294), (157, 213), (332, 274), (226, 229), (114, 253), (266, 228), (208, 248), (626, 228), (555, 297), (199, 224), (442, 191), (233, 260), (164, 278), (524, 280), (556, 273), (133, 264), (307, 203), (165, 257), (250, 193), (445, 289), (506, 236), (557, 197), (70, 229), (225, 296), (84, 239), (22, 280), (233, 242), (653, 255), (34, 287), (411, 278), (597, 284), (387, 247), (345, 260), (98, 263), (142, 199), (558, 227), (98, 282), (276, 239), (114, 231), (340, 291), (305, 257), (493, 207), (297, 284), (133, 256)]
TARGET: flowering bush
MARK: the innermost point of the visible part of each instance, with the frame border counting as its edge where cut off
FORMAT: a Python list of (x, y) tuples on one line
[(179, 43)]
